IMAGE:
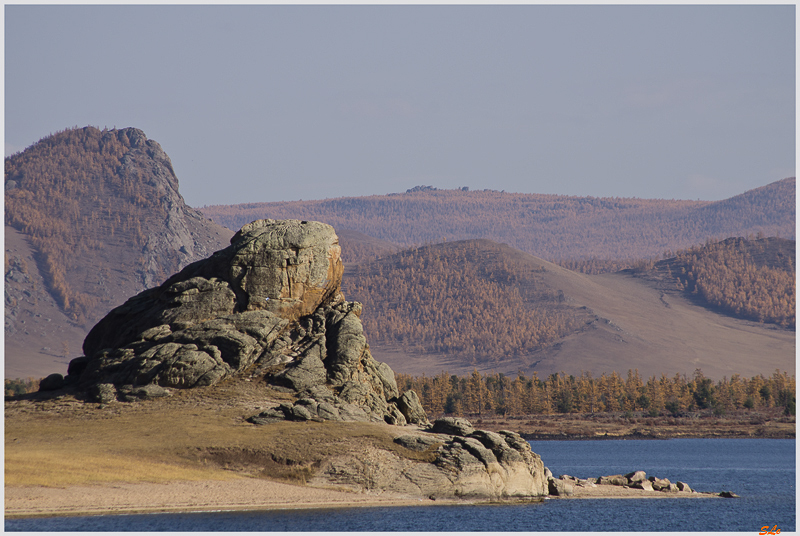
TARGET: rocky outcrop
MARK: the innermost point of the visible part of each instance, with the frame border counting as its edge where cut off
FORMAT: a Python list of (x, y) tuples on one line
[(477, 464), (640, 480), (270, 307)]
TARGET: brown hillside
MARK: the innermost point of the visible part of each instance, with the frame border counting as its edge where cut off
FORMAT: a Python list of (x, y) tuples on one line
[(619, 322), (747, 278), (92, 217), (549, 226)]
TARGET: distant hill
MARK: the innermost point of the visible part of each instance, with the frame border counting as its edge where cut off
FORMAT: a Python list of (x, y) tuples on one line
[(478, 304), (92, 217), (551, 227), (752, 279)]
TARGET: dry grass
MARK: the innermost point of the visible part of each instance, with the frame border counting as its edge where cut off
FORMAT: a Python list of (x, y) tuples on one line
[(197, 435)]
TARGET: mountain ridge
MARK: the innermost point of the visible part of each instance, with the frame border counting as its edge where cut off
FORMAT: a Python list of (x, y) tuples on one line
[(552, 227)]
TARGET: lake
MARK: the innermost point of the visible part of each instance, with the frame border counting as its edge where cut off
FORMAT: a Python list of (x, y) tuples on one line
[(761, 471)]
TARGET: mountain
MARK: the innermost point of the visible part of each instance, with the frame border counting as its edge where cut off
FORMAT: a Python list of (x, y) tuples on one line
[(552, 227), (476, 304), (91, 217)]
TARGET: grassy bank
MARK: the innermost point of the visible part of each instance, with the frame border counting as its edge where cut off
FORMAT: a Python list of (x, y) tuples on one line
[(766, 423), (193, 435)]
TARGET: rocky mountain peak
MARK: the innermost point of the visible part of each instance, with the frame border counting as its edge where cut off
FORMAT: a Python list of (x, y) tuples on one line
[(79, 204)]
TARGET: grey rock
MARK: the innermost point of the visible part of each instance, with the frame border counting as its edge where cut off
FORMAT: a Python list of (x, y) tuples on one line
[(411, 408), (150, 391), (683, 486), (394, 416), (613, 480), (417, 442), (636, 476), (456, 426), (643, 484), (559, 487), (351, 412), (269, 416), (305, 373), (268, 306), (498, 445), (328, 412), (301, 413), (660, 484)]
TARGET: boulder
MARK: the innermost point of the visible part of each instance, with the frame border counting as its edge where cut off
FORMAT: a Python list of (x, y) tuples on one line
[(104, 393), (636, 476), (128, 393), (560, 487), (643, 484), (660, 484), (612, 480), (683, 486), (456, 426), (729, 495), (411, 408), (270, 307)]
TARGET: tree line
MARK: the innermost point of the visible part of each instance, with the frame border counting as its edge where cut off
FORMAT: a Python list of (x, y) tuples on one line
[(492, 394)]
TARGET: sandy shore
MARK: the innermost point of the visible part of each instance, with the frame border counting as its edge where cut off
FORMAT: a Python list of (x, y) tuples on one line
[(240, 494), (186, 496)]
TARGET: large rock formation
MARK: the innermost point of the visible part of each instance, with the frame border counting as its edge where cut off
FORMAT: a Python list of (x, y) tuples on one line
[(462, 463), (268, 306)]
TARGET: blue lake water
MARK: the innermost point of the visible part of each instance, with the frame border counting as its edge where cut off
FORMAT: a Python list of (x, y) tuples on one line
[(761, 471)]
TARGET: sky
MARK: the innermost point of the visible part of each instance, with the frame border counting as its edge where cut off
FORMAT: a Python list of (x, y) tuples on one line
[(260, 103)]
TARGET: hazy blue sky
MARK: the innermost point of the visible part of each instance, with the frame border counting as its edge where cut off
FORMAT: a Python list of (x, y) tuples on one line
[(270, 103)]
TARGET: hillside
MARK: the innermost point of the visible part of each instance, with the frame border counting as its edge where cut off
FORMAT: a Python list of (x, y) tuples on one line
[(91, 217), (520, 313), (551, 227), (752, 279)]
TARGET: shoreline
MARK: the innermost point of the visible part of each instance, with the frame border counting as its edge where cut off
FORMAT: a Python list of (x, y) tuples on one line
[(647, 436), (246, 494)]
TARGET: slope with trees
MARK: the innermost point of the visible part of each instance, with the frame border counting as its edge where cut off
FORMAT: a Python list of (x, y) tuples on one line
[(752, 278), (462, 299), (92, 217)]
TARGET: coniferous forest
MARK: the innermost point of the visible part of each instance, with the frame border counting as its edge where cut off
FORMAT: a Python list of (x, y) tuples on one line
[(498, 394)]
